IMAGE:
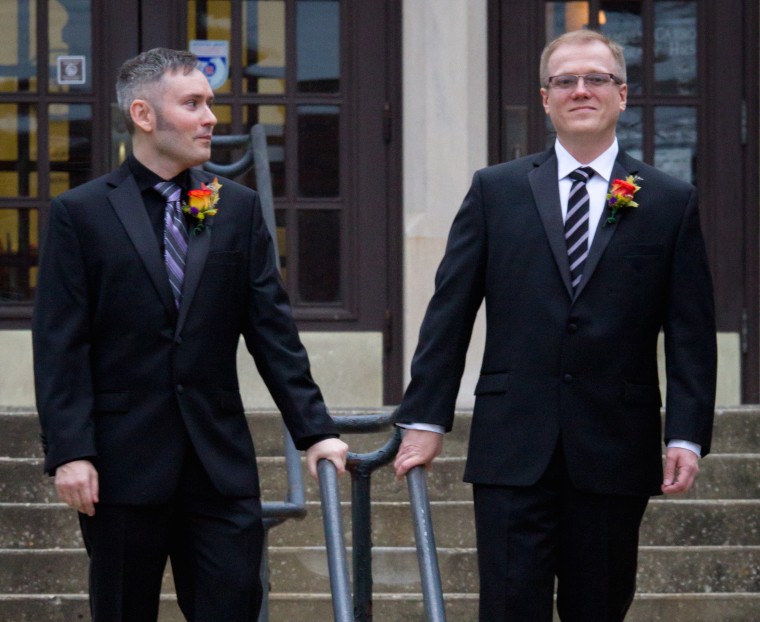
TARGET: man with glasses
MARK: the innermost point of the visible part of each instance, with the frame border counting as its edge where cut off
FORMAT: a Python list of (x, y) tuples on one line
[(582, 255)]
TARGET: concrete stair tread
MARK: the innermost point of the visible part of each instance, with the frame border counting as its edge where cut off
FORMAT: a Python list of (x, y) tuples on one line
[(666, 522), (722, 476), (395, 569), (727, 607)]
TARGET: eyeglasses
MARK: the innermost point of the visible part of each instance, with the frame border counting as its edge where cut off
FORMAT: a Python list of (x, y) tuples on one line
[(590, 80)]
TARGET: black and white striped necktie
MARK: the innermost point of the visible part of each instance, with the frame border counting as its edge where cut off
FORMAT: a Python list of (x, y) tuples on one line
[(576, 223)]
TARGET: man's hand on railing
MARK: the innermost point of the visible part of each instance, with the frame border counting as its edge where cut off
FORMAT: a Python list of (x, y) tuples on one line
[(332, 449), (418, 447)]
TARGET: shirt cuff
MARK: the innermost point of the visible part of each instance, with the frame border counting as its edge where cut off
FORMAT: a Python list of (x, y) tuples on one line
[(697, 449), (428, 427)]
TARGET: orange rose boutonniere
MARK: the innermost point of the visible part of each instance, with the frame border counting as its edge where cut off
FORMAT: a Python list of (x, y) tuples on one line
[(201, 203), (621, 195)]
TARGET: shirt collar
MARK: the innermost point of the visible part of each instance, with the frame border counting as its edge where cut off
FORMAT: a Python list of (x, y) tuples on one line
[(146, 178), (602, 165)]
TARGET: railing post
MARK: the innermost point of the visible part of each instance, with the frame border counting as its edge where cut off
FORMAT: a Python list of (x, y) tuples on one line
[(361, 527), (332, 519), (432, 591)]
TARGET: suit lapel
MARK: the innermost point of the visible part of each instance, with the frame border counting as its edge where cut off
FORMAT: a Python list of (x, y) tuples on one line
[(127, 202), (604, 232), (543, 182), (197, 252)]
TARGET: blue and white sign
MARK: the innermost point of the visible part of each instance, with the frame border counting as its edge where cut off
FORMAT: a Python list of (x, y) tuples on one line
[(213, 60)]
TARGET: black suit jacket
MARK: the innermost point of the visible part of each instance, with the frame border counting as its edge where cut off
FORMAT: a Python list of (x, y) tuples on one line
[(580, 369), (125, 379)]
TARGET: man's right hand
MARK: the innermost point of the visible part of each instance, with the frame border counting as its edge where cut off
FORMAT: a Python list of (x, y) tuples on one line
[(77, 485), (418, 447)]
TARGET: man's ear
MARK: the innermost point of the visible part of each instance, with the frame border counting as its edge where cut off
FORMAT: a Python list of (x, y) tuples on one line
[(143, 115)]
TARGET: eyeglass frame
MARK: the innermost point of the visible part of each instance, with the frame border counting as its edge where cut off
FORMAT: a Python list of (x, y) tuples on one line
[(613, 80)]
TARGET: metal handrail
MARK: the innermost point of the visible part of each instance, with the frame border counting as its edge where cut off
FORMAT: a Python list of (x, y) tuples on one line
[(294, 505), (335, 541), (430, 574), (361, 467)]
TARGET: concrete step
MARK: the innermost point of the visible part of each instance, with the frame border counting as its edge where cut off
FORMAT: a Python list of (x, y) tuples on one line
[(721, 476), (737, 430), (20, 436), (728, 607), (662, 570), (666, 523)]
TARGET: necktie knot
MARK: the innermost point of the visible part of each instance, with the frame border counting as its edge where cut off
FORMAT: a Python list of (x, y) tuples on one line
[(169, 190), (582, 174)]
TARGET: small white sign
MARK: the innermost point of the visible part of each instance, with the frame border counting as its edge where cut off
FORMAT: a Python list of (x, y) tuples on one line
[(71, 70), (213, 60)]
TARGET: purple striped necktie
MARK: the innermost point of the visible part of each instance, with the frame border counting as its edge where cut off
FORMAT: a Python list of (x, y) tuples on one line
[(576, 223), (175, 237)]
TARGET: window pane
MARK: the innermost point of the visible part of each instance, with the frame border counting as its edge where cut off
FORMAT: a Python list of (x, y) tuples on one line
[(318, 46), (621, 21), (264, 46), (675, 37), (563, 17), (18, 150), (273, 120), (210, 20), (18, 53), (630, 132), (70, 40), (676, 141), (319, 256), (18, 254), (318, 151), (70, 146)]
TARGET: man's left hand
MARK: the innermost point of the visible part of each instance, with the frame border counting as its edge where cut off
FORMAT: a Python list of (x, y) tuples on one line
[(681, 468), (332, 449)]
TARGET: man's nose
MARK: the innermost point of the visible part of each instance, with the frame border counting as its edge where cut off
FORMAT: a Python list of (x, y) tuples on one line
[(580, 87), (209, 117)]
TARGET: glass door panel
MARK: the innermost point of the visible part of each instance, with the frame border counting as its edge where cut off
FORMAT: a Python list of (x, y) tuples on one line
[(675, 144), (18, 150), (46, 129), (318, 46), (675, 47), (622, 21), (264, 50), (70, 146), (70, 45), (18, 61), (301, 106), (19, 246)]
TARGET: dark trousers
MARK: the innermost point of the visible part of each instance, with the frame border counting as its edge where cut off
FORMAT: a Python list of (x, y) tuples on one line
[(527, 536), (214, 544)]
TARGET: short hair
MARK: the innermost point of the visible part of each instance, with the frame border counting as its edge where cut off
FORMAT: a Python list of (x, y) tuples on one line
[(578, 37), (147, 69)]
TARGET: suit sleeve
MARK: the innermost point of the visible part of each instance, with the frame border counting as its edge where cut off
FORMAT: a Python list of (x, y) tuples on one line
[(61, 344), (272, 339), (690, 337), (439, 359)]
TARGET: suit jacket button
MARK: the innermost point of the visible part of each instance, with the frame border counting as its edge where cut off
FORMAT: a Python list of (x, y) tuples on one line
[(568, 377), (180, 388), (572, 328), (178, 340)]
